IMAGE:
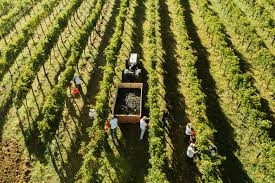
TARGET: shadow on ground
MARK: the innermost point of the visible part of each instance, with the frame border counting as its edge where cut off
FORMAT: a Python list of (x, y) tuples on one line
[(232, 170), (132, 164), (181, 170)]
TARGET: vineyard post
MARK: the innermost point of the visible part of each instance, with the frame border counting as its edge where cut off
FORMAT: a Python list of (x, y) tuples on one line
[(29, 50), (78, 17), (42, 28), (3, 37), (61, 38), (75, 15), (16, 31), (33, 40), (36, 103), (57, 45)]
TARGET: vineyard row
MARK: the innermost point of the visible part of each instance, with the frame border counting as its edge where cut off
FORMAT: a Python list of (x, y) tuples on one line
[(13, 48), (261, 58), (8, 21), (249, 105), (91, 164)]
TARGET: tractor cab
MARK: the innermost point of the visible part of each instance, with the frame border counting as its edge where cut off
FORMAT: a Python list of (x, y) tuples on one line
[(132, 71)]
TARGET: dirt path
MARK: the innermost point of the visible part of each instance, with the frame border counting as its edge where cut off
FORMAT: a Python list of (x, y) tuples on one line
[(140, 149), (133, 160), (231, 168), (181, 171), (14, 168)]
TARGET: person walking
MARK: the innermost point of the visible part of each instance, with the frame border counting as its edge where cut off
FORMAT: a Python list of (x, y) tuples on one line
[(143, 126), (75, 92), (77, 82), (191, 152), (59, 77), (113, 123), (107, 127), (92, 113), (193, 136), (188, 133)]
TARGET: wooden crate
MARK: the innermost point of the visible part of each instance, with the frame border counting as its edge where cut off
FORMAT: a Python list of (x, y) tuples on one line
[(126, 118)]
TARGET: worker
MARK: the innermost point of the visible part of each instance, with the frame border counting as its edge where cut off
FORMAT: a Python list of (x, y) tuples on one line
[(193, 135), (59, 77), (113, 123), (188, 132), (75, 92), (77, 81), (213, 150), (143, 126), (137, 72), (191, 152), (127, 72), (107, 127), (92, 113)]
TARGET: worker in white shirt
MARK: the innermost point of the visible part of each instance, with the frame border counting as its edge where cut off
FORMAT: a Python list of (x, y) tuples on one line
[(143, 126), (188, 133), (113, 123), (137, 72), (191, 151), (92, 113), (127, 72), (77, 81), (59, 77)]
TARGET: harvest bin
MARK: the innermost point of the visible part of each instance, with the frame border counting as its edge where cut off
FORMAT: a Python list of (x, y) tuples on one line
[(121, 92)]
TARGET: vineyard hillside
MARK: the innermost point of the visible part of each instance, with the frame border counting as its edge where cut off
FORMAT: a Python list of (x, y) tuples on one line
[(131, 91)]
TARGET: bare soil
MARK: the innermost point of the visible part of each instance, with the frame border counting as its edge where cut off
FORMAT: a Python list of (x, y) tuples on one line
[(13, 167), (128, 101)]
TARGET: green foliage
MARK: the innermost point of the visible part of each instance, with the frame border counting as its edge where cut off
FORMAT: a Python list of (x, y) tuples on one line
[(53, 105), (195, 98), (56, 99), (242, 86), (153, 56), (261, 57), (19, 9), (43, 51), (13, 48), (89, 169), (260, 18)]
